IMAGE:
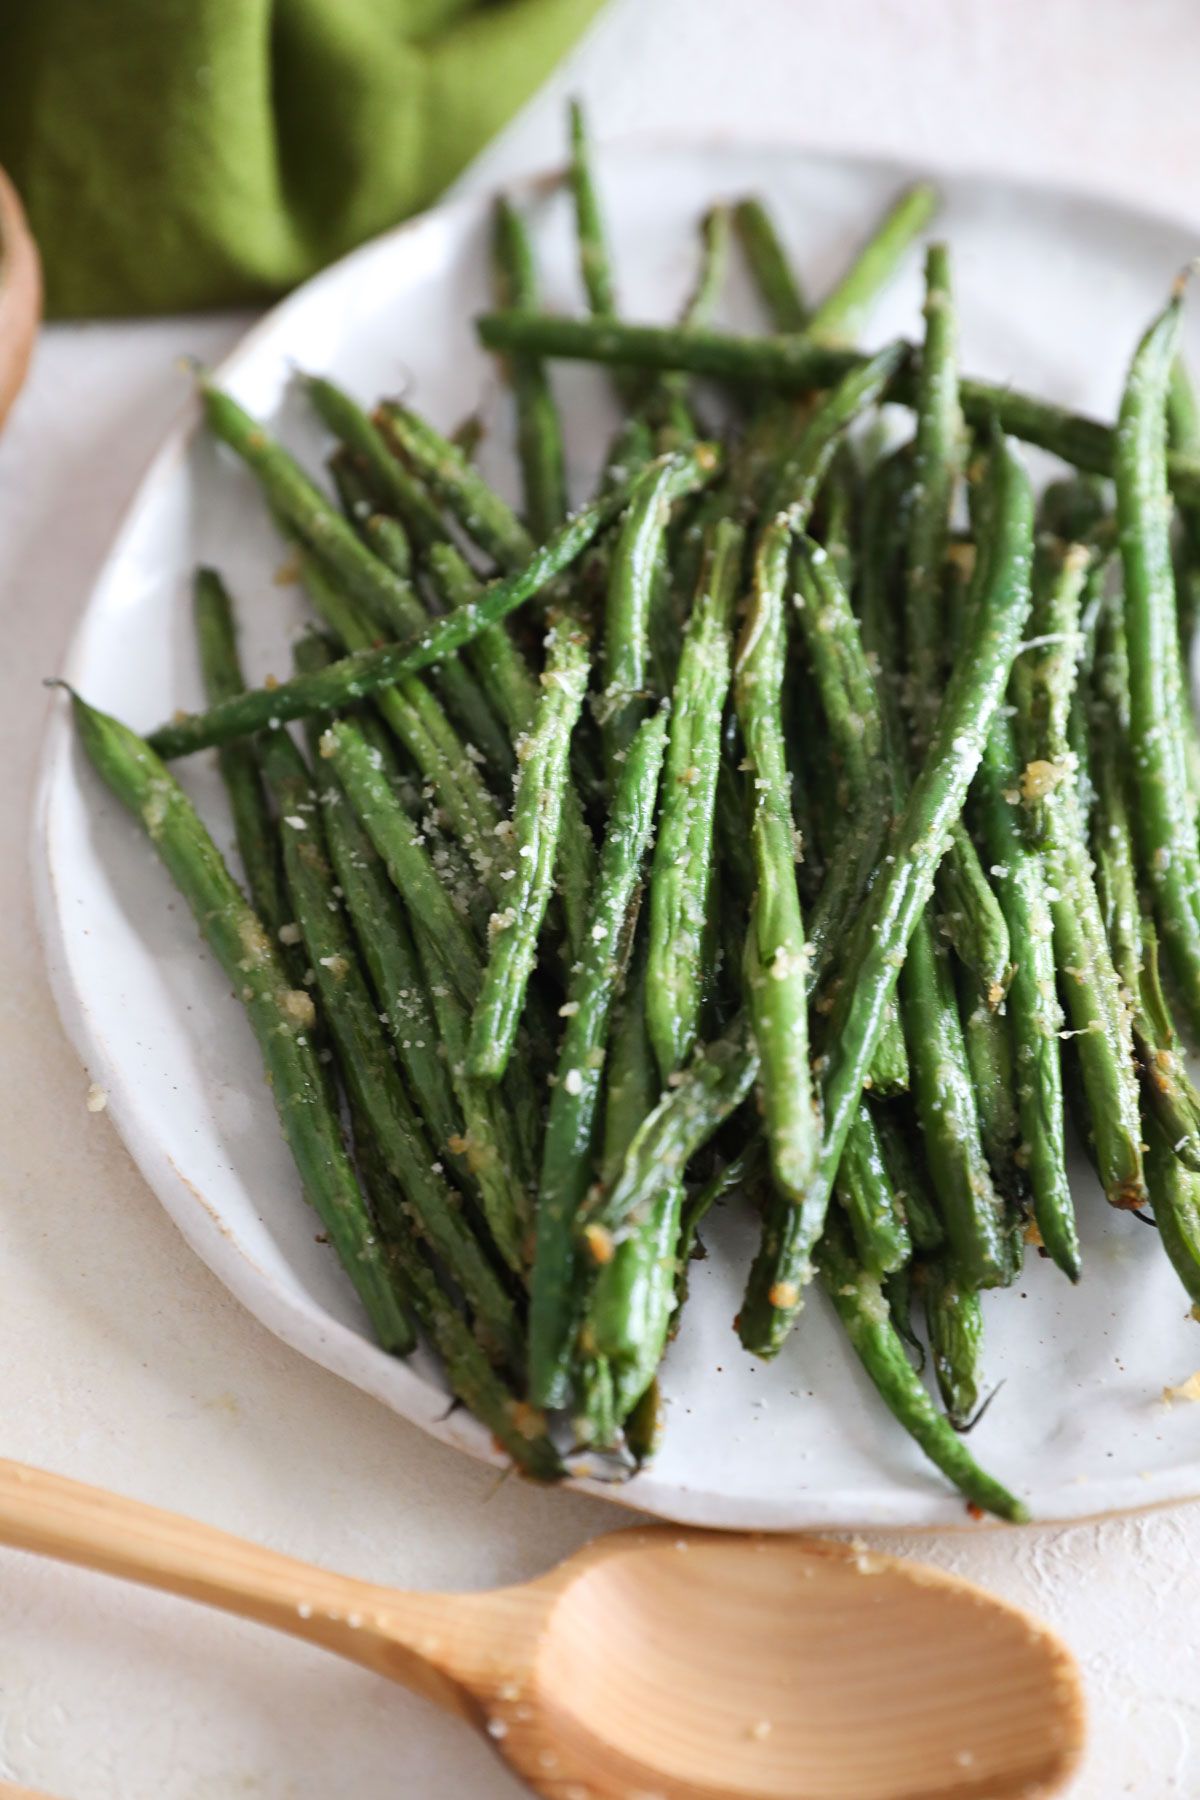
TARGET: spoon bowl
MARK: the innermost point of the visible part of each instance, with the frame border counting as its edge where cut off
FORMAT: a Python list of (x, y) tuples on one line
[(788, 1668), (654, 1664)]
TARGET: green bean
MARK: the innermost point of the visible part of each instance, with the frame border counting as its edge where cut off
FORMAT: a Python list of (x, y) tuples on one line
[(384, 939), (969, 906), (500, 1140), (631, 449), (948, 1106), (666, 401), (418, 723), (860, 1304), (688, 1114), (1043, 682), (1167, 823), (937, 1065), (939, 445), (594, 1420), (469, 433), (365, 672), (389, 540), (575, 1098), (514, 691), (357, 497), (308, 513), (632, 1294), (281, 1017), (644, 1426), (954, 1320), (842, 314), (853, 717), (507, 678), (635, 1291), (254, 831), (869, 1201), (380, 532), (776, 965), (1175, 1197), (798, 363), (1096, 604), (487, 519), (1076, 510), (856, 728), (625, 661), (403, 850), (736, 860), (364, 1053), (803, 468), (634, 1298), (1183, 427), (841, 506), (897, 1290), (770, 266), (681, 881), (516, 1426), (539, 429), (497, 1145), (887, 509), (992, 1062), (595, 265), (534, 846), (898, 898), (1170, 1090), (909, 1182), (1032, 1003), (741, 1172), (1167, 1088), (973, 918), (395, 486)]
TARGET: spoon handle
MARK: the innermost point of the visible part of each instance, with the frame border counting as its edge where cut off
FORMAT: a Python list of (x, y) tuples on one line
[(74, 1523)]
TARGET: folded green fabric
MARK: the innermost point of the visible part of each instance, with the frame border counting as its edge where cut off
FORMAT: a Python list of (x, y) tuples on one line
[(190, 153)]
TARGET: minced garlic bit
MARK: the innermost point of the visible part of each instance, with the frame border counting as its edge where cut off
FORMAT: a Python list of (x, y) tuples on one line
[(1039, 778), (297, 1006), (599, 1241), (97, 1098), (1187, 1390), (784, 1293), (573, 1081), (254, 941), (289, 934)]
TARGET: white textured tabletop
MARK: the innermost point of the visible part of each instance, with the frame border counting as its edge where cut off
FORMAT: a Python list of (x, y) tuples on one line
[(122, 1360)]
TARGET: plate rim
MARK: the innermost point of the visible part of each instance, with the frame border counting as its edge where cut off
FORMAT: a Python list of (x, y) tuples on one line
[(307, 1328)]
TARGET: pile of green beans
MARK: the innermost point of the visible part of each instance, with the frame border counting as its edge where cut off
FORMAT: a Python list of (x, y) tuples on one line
[(806, 821)]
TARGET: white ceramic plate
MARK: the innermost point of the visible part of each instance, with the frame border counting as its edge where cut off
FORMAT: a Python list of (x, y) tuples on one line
[(1053, 291)]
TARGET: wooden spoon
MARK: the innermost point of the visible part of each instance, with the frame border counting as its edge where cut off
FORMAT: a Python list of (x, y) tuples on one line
[(20, 294), (654, 1664)]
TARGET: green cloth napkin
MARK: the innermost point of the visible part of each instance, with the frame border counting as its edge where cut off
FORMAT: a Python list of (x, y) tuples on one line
[(189, 153)]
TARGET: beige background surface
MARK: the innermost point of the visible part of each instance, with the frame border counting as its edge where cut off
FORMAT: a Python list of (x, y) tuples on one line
[(122, 1361)]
